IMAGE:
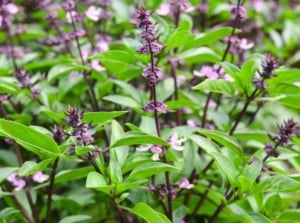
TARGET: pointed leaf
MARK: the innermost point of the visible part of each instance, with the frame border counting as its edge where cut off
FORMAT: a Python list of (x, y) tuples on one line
[(149, 169), (140, 139), (217, 86), (32, 140), (149, 214), (101, 117), (75, 218), (30, 167)]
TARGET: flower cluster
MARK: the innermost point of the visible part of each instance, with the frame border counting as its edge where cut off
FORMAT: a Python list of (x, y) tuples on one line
[(19, 183), (268, 67), (213, 72), (162, 191), (79, 129), (7, 11), (141, 19), (175, 142), (24, 79), (286, 131), (239, 12)]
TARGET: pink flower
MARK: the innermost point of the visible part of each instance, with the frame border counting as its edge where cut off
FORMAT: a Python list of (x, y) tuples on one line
[(11, 8), (191, 122), (17, 181), (156, 150), (93, 13), (70, 15), (185, 184), (39, 177), (176, 143)]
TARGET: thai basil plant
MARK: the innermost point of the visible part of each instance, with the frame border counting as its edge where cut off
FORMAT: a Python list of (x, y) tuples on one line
[(149, 111)]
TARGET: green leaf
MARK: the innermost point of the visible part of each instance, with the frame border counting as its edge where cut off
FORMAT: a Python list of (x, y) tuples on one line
[(120, 153), (259, 218), (8, 85), (253, 170), (72, 174), (273, 204), (180, 104), (284, 76), (278, 183), (204, 143), (115, 171), (179, 38), (234, 72), (138, 140), (6, 212), (224, 139), (134, 93), (129, 184), (210, 37), (30, 167), (199, 55), (227, 167), (248, 70), (61, 69), (101, 118), (95, 180), (117, 61), (80, 150), (148, 214), (288, 216), (149, 169), (75, 218), (30, 139), (122, 100), (217, 86)]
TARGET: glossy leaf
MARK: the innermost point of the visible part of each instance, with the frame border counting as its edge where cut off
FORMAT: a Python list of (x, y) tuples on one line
[(30, 139), (140, 139), (61, 69), (217, 86), (278, 183), (101, 118), (122, 100), (149, 169), (288, 216), (150, 215), (222, 138), (75, 218), (30, 167)]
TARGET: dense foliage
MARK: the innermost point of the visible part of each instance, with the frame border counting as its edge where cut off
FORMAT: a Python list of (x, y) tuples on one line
[(149, 111)]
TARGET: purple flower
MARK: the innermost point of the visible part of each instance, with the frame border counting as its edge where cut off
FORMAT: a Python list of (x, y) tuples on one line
[(58, 134), (185, 184), (238, 12), (35, 93), (68, 5), (158, 106), (74, 117), (155, 48), (269, 65), (39, 177), (96, 152), (16, 181), (23, 78), (152, 76)]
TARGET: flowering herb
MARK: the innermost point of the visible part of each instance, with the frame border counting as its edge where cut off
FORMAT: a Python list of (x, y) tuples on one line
[(158, 111)]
